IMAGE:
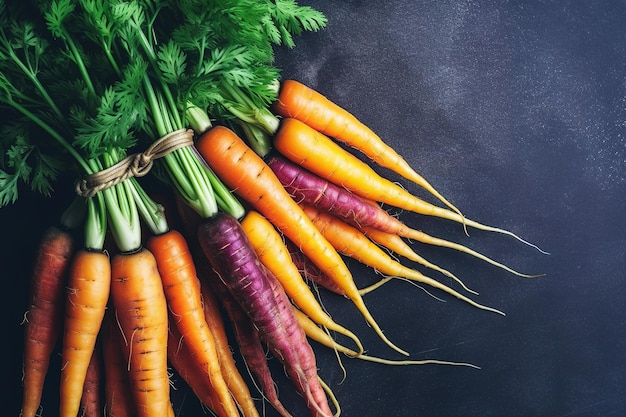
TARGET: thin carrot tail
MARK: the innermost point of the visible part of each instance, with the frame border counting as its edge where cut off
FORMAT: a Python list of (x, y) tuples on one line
[(450, 215), (358, 301), (425, 238), (394, 243), (481, 226), (436, 284), (316, 333), (342, 330), (332, 397), (422, 182)]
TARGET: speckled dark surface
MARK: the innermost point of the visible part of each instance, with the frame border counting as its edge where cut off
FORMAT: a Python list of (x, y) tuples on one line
[(516, 111)]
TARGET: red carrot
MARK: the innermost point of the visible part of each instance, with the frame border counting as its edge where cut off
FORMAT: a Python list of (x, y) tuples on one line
[(91, 402), (44, 316)]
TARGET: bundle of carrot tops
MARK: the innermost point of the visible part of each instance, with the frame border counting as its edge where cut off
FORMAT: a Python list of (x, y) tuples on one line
[(258, 204)]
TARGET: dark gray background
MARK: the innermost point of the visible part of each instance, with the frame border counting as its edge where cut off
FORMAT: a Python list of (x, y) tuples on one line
[(516, 111)]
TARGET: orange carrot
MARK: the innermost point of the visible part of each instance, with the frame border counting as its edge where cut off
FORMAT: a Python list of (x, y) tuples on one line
[(320, 155), (247, 174), (44, 316), (139, 301), (310, 271), (308, 188), (269, 246), (182, 291), (185, 364), (245, 334), (353, 243), (298, 101), (87, 296), (234, 380), (117, 391)]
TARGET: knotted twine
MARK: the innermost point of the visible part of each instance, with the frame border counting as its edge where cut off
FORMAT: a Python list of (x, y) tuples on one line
[(135, 165)]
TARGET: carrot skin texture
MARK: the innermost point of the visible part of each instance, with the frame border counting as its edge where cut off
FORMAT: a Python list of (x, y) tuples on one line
[(233, 378), (182, 292), (308, 188), (260, 295), (248, 341), (91, 402), (226, 153), (139, 301), (87, 296), (117, 391), (298, 101), (310, 271), (184, 363), (250, 177), (268, 245), (44, 316), (319, 154)]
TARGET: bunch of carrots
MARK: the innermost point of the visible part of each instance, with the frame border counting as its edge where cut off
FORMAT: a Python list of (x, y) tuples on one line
[(267, 202)]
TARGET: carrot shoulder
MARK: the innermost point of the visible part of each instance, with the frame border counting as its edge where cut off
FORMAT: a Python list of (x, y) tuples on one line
[(301, 102), (87, 296), (250, 177)]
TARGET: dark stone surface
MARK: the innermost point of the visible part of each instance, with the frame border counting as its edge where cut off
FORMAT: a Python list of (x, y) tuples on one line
[(516, 111)]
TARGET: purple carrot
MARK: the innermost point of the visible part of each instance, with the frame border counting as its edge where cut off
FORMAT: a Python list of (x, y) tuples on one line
[(257, 291), (306, 187), (248, 339)]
